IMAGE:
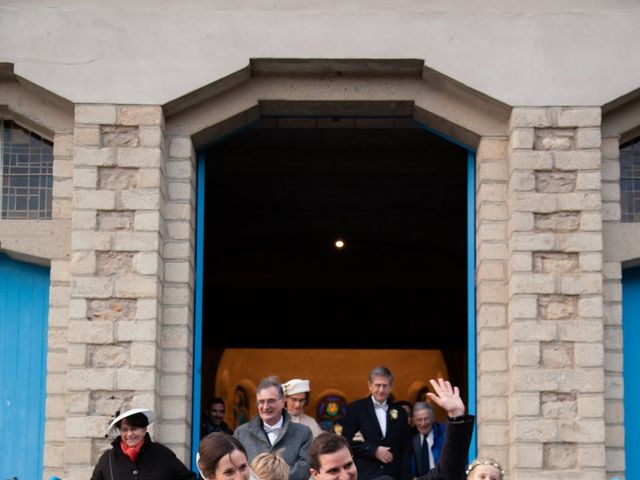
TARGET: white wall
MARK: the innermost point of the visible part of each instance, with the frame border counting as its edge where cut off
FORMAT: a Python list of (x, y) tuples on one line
[(522, 52)]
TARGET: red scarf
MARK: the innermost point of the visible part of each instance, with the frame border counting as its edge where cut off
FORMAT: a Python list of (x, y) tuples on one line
[(131, 452)]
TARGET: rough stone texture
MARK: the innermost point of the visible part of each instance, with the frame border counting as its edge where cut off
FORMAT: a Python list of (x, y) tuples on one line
[(177, 339), (556, 222), (557, 353), (557, 307), (560, 456), (117, 178), (109, 283), (613, 399), (555, 262), (119, 136), (110, 221), (491, 295), (555, 182), (554, 139)]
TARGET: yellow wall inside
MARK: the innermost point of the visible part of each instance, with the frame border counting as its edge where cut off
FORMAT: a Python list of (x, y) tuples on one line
[(343, 372)]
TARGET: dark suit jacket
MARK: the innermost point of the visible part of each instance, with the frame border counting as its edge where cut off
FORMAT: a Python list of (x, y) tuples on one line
[(420, 465), (453, 459), (361, 417)]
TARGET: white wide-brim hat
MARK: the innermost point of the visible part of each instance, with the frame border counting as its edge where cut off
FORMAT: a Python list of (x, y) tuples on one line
[(147, 413), (296, 386)]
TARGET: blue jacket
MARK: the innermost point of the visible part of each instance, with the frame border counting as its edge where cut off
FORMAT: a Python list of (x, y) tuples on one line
[(418, 464)]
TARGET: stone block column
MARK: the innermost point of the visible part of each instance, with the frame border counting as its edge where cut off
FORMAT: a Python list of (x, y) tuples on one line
[(179, 212), (555, 290), (117, 272), (613, 357), (59, 292), (491, 298)]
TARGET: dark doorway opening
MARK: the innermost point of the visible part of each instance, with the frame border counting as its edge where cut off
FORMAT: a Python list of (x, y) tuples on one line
[(277, 199)]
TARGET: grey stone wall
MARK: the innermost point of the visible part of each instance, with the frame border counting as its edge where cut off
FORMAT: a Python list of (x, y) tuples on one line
[(491, 298), (614, 393), (119, 354), (555, 295)]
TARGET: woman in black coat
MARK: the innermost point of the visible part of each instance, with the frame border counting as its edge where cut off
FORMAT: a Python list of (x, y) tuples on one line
[(134, 456)]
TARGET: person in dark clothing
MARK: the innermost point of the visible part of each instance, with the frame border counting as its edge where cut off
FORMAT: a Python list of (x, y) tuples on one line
[(214, 420), (134, 456), (378, 431), (330, 456)]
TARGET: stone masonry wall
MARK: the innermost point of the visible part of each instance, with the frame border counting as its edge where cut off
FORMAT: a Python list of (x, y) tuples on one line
[(491, 298), (114, 337), (179, 211), (614, 392), (59, 292), (555, 281)]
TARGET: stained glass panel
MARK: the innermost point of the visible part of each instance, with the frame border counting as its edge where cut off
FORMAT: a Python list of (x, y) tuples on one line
[(26, 168)]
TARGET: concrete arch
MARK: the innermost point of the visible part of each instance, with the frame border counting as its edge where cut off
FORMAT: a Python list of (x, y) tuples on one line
[(620, 124), (35, 108), (372, 88), (51, 117)]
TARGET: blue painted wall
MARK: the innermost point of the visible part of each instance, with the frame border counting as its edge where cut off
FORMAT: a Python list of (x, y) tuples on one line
[(24, 306), (631, 340)]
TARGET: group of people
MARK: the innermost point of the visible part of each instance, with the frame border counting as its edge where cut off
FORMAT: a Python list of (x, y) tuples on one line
[(376, 441)]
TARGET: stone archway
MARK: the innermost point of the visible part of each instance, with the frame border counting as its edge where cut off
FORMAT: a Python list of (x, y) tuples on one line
[(372, 88)]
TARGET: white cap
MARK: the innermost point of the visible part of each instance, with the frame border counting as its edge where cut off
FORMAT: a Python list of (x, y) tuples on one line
[(296, 386), (147, 413)]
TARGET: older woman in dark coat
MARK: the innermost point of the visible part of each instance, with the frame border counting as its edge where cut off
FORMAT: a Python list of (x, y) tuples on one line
[(134, 456)]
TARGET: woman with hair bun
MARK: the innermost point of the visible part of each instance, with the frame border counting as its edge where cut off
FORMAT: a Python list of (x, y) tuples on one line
[(222, 457)]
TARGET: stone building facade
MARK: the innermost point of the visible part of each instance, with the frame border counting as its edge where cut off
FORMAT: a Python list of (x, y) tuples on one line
[(550, 248)]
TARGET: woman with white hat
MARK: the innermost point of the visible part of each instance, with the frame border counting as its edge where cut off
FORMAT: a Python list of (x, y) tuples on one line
[(296, 393), (134, 456)]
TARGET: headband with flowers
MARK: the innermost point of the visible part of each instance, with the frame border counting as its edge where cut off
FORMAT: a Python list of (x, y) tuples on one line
[(488, 461)]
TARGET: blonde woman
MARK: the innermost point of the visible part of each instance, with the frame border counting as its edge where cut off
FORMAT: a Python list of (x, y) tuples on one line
[(270, 466), (485, 469)]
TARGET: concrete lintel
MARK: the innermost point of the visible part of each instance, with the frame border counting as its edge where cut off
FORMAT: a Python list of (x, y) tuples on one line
[(621, 242), (220, 130), (374, 108), (35, 241), (450, 102), (203, 94), (33, 106), (336, 67), (620, 118)]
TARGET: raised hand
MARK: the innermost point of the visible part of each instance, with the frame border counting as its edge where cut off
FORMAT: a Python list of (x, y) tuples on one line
[(447, 397)]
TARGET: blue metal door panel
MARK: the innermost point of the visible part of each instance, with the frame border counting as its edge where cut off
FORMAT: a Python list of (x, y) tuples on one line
[(631, 339), (24, 306)]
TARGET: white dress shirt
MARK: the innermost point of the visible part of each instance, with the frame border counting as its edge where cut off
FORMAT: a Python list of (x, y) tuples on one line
[(273, 431), (429, 440), (381, 413)]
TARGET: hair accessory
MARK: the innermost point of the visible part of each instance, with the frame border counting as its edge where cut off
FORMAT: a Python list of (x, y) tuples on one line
[(488, 461)]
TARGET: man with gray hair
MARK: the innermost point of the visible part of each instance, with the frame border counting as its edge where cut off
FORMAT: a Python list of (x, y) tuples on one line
[(378, 431), (272, 430), (427, 442)]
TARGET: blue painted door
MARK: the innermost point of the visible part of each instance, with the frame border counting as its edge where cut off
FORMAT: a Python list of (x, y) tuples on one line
[(631, 339), (24, 306)]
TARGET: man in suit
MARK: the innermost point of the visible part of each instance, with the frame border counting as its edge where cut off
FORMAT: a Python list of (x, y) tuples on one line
[(272, 430), (378, 431), (427, 441), (330, 457)]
